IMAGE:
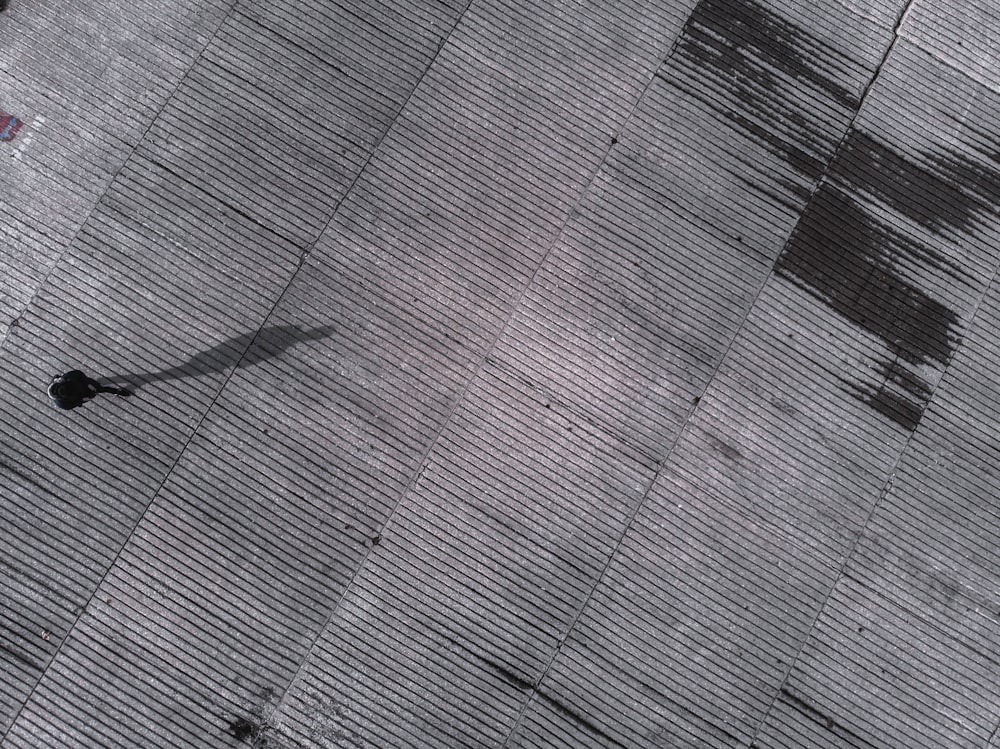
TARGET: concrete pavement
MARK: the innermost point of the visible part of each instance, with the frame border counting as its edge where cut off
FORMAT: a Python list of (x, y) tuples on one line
[(507, 374)]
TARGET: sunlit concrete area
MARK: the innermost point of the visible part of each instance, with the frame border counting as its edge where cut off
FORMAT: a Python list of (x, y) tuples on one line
[(502, 374)]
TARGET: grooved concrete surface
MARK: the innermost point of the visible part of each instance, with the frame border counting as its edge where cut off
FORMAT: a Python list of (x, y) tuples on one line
[(508, 374)]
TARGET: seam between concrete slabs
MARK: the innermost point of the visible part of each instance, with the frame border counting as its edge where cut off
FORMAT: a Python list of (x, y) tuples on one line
[(48, 274)]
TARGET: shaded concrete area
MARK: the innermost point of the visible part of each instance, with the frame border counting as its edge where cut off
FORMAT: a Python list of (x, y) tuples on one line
[(506, 374), (241, 351)]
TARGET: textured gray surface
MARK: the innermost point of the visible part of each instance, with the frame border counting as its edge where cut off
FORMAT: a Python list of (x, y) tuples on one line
[(507, 374)]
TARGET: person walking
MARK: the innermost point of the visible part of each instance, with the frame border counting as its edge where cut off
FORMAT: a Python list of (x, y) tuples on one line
[(75, 388)]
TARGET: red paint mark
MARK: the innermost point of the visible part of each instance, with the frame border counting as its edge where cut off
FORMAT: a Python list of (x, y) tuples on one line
[(9, 125)]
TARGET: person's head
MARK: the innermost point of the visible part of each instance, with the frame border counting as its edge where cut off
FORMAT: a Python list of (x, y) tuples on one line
[(59, 390)]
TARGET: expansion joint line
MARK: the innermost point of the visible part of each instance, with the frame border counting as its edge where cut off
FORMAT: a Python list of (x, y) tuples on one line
[(722, 359), (114, 178), (890, 478), (991, 741), (460, 398), (261, 739), (536, 685)]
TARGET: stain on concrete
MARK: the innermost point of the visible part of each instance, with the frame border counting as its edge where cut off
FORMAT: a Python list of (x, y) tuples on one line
[(814, 713), (726, 450), (903, 406), (946, 194), (17, 655), (847, 257), (867, 234), (817, 715), (566, 711), (758, 58), (784, 407), (242, 729), (580, 719), (510, 677), (864, 238), (758, 46)]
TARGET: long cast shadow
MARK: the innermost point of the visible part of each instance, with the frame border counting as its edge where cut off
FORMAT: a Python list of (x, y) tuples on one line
[(242, 351)]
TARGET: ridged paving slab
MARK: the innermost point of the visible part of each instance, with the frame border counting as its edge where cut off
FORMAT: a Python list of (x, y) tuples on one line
[(506, 374)]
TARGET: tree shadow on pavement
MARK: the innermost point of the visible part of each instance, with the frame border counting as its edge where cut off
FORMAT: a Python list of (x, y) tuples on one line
[(242, 351)]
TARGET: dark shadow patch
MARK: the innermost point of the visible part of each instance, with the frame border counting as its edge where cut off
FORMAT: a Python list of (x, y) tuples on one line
[(239, 352), (751, 53)]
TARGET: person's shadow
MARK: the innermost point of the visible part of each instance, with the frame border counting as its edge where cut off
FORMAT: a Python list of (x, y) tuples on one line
[(242, 351)]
